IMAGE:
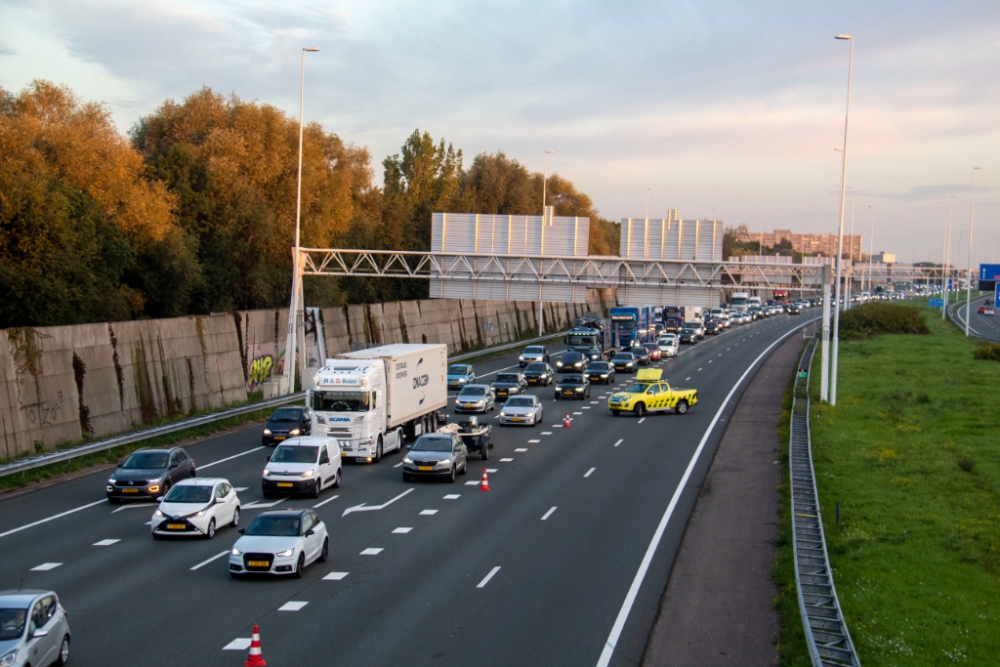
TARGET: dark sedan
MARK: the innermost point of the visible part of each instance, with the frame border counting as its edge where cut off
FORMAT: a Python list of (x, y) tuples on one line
[(286, 423), (712, 327), (625, 362), (149, 473), (689, 336), (572, 362), (509, 384), (539, 373), (602, 372), (641, 355), (573, 386)]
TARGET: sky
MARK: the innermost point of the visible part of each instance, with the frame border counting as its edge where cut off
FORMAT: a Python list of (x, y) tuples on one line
[(730, 110)]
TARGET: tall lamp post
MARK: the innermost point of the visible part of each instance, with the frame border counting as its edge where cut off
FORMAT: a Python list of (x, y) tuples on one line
[(294, 312), (946, 279), (871, 254), (840, 233), (850, 280), (548, 220), (968, 278)]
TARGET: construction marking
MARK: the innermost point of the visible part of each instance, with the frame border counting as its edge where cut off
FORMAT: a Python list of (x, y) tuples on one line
[(641, 420), (548, 514), (487, 578), (371, 551), (206, 562), (106, 543), (428, 512), (335, 576), (238, 644), (619, 442), (324, 502), (45, 567), (293, 605), (402, 530), (453, 496), (506, 460), (588, 473)]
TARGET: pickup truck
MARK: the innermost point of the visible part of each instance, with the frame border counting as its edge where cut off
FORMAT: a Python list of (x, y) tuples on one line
[(649, 393)]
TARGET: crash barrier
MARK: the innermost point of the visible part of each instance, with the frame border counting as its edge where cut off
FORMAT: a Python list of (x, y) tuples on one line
[(822, 618)]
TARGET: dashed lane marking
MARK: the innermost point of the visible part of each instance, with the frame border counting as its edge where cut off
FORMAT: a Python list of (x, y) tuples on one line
[(699, 369), (371, 551), (402, 530), (106, 543), (45, 567), (335, 576), (453, 496), (546, 432), (398, 464), (586, 407), (687, 378), (487, 578), (206, 562), (240, 489), (472, 483), (641, 420), (534, 442), (293, 605), (320, 504), (506, 460), (521, 449), (428, 512), (594, 402), (548, 514), (238, 644), (589, 472), (619, 442)]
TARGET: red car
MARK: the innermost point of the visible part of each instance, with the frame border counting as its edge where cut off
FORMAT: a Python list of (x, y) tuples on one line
[(983, 310), (654, 351)]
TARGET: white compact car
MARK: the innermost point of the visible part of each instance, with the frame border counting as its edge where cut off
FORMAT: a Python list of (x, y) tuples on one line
[(668, 345), (196, 506), (280, 542), (302, 465)]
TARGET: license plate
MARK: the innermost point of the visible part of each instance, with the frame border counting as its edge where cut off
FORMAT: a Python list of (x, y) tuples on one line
[(280, 437), (285, 485), (176, 526), (425, 468), (130, 490), (515, 419), (258, 563), (501, 393), (567, 393)]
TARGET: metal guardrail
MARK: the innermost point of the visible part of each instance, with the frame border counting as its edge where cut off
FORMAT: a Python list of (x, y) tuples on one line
[(826, 631), (508, 346)]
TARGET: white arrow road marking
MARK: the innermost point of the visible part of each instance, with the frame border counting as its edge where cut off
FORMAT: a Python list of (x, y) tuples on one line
[(257, 505), (324, 502), (368, 508), (132, 507)]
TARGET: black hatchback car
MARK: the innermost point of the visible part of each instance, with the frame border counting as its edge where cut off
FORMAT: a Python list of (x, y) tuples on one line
[(573, 386), (641, 355), (286, 423), (689, 336), (601, 372), (625, 362), (149, 473), (712, 327), (539, 373), (572, 362)]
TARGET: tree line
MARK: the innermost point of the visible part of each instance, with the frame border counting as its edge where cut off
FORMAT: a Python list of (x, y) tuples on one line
[(193, 211)]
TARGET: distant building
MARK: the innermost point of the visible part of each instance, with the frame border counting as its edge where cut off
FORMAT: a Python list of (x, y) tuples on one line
[(807, 244), (884, 258)]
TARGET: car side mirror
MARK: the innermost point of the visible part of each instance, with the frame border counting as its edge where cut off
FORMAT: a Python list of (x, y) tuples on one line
[(268, 457), (242, 531), (40, 632), (159, 499), (409, 446), (310, 532), (120, 464), (175, 465)]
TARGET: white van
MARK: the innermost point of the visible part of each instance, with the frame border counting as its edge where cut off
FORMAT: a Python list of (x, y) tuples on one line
[(305, 465)]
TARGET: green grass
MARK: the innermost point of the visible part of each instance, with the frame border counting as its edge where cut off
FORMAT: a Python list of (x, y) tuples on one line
[(911, 454)]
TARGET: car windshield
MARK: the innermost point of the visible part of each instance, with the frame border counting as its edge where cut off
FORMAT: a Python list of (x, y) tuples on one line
[(12, 623), (507, 378), (599, 366), (186, 493), (572, 358), (651, 346), (473, 390), (147, 460), (689, 332), (294, 454), (535, 368), (458, 369), (286, 415), (432, 444), (524, 402), (340, 401), (627, 356), (533, 349), (637, 388), (277, 526), (572, 379)]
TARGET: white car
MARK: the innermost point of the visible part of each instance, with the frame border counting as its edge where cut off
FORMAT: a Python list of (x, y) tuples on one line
[(306, 464), (668, 345), (280, 542), (196, 506), (522, 410)]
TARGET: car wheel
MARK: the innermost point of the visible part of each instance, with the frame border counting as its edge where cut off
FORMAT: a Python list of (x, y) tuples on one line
[(640, 409), (236, 518), (555, 397), (682, 407), (465, 467), (336, 480), (114, 501), (378, 450), (63, 652), (300, 565), (210, 533), (325, 553), (268, 494), (317, 488), (485, 452), (451, 479), (406, 477), (615, 412)]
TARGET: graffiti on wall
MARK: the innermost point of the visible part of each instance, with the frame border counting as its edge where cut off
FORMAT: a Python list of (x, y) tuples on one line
[(42, 414), (261, 368)]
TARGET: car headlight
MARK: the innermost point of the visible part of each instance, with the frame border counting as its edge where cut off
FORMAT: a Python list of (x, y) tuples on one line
[(111, 480), (153, 488), (444, 462), (462, 380), (295, 431), (309, 473), (201, 513), (559, 363), (579, 388), (267, 473), (576, 365), (267, 431), (236, 552), (8, 659), (110, 488), (158, 513), (407, 460), (521, 358), (503, 414), (478, 402), (285, 554)]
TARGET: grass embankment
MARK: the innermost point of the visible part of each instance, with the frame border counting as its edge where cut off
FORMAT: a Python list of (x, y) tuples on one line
[(911, 454)]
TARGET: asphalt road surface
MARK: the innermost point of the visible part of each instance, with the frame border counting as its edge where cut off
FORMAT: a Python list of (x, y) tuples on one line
[(987, 326), (563, 563)]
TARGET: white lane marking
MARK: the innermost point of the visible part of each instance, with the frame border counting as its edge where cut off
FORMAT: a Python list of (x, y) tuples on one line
[(521, 449), (548, 514), (428, 512), (402, 530), (364, 507), (206, 562), (588, 473), (487, 578), (506, 460), (641, 420), (293, 605), (230, 458), (709, 361), (453, 496), (492, 470), (240, 489), (238, 644), (577, 413), (257, 505), (400, 463), (335, 576), (687, 378), (595, 402), (534, 442), (727, 350), (555, 426), (45, 567), (324, 502), (132, 506), (699, 369), (618, 443), (546, 432), (472, 483), (586, 407), (371, 551), (106, 543), (633, 591)]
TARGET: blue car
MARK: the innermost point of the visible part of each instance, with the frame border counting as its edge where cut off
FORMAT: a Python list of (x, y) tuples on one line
[(460, 375)]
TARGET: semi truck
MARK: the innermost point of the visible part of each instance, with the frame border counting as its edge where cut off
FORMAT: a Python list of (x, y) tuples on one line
[(673, 319), (370, 400), (740, 302), (629, 325), (588, 336)]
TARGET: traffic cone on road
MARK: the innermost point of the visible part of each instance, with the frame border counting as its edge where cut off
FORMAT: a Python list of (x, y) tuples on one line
[(566, 422), (256, 658), (485, 484)]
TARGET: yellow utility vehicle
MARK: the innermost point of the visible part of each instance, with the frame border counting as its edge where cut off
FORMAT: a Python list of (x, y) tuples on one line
[(651, 394)]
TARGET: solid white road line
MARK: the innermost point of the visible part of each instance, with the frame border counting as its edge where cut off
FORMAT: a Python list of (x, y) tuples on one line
[(402, 530), (589, 472), (548, 514), (320, 504), (45, 567), (619, 442), (292, 606), (619, 625), (371, 551), (106, 543), (641, 420), (453, 496), (238, 644), (206, 562), (487, 578), (335, 576), (230, 458), (132, 506)]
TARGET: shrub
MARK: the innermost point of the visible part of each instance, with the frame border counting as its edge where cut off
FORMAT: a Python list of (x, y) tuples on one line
[(988, 352), (877, 319), (966, 464)]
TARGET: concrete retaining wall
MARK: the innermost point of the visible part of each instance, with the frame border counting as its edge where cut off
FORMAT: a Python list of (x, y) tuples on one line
[(65, 384)]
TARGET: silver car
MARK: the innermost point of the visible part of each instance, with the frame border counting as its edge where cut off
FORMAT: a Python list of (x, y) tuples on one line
[(522, 410), (436, 455), (34, 629), (475, 398)]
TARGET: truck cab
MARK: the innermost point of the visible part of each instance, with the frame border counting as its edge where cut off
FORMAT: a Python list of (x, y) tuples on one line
[(348, 403)]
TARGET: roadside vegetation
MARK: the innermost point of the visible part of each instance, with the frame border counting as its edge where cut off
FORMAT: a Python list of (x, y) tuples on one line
[(879, 318), (910, 453)]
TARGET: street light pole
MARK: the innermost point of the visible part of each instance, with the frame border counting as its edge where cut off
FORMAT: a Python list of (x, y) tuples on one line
[(545, 215), (945, 286), (871, 253), (840, 233), (294, 311), (850, 280), (968, 278)]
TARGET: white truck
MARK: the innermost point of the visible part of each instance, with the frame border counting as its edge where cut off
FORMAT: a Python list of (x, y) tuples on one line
[(740, 302), (371, 399)]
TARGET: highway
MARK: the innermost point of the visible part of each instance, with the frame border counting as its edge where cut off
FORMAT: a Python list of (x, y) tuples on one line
[(986, 326), (563, 563)]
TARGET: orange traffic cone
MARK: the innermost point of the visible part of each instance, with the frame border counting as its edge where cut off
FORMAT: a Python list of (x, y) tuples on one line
[(256, 658), (485, 484), (566, 422)]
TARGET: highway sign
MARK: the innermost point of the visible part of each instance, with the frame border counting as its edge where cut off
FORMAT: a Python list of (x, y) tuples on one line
[(935, 303), (996, 296), (989, 272)]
